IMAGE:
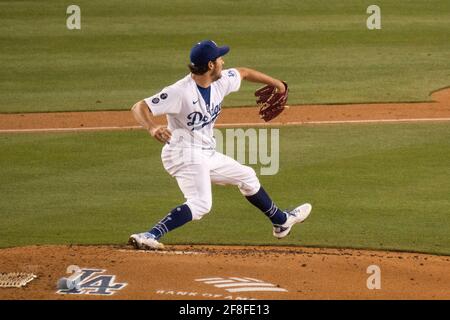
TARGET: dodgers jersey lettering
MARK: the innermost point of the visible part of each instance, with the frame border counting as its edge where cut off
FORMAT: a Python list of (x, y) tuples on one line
[(189, 118)]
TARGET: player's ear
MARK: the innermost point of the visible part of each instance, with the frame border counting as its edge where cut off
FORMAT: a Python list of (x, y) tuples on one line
[(210, 65)]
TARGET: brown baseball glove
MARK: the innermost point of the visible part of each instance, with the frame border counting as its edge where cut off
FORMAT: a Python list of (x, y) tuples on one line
[(271, 102)]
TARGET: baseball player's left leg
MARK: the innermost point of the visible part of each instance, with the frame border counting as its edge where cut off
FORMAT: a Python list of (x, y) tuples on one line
[(225, 170)]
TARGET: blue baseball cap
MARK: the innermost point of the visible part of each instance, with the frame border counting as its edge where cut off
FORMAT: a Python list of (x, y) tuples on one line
[(206, 51)]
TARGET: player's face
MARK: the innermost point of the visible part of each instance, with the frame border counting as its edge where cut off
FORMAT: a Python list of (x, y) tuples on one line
[(217, 70)]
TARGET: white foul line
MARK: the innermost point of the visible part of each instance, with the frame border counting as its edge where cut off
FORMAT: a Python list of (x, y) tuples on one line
[(224, 125), (70, 129), (162, 252), (329, 122)]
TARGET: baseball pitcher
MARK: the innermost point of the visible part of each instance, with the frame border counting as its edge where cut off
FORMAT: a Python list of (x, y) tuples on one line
[(192, 106)]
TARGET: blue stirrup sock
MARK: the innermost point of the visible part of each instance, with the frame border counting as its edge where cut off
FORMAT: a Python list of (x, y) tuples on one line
[(176, 218), (262, 201)]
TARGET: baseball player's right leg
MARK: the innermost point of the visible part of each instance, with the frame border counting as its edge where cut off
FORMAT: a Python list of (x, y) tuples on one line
[(195, 183), (150, 240)]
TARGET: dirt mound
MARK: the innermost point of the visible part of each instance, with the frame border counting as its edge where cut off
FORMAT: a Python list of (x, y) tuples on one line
[(227, 273)]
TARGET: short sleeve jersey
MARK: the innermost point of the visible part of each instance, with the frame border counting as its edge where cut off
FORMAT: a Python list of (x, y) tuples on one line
[(187, 113)]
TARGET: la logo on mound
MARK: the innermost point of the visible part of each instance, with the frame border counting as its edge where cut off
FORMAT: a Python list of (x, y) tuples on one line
[(93, 282)]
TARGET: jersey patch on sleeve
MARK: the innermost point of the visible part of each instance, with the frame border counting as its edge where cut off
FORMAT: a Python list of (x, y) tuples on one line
[(231, 73), (167, 101)]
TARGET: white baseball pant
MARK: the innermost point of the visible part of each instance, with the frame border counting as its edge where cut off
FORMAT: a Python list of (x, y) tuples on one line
[(195, 169)]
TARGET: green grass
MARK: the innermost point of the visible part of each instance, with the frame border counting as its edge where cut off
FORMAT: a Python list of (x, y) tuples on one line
[(372, 186), (128, 50)]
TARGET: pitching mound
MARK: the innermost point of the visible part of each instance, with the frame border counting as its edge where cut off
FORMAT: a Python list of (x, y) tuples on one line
[(218, 272)]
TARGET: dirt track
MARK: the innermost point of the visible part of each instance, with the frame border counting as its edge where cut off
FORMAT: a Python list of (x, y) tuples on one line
[(284, 273), (439, 109)]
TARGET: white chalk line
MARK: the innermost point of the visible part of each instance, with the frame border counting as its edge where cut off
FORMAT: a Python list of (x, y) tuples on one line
[(162, 252), (70, 129), (335, 122), (225, 125)]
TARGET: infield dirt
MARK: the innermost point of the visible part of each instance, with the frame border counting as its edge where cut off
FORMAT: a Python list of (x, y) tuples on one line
[(297, 273), (303, 114)]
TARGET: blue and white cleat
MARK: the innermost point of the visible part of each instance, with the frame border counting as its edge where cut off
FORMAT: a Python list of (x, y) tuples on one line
[(144, 241), (298, 215)]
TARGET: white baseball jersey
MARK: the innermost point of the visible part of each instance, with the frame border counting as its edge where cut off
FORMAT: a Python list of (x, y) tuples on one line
[(189, 118)]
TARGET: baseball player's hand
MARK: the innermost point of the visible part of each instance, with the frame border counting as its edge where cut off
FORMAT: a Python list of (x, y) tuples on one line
[(161, 133), (281, 88)]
